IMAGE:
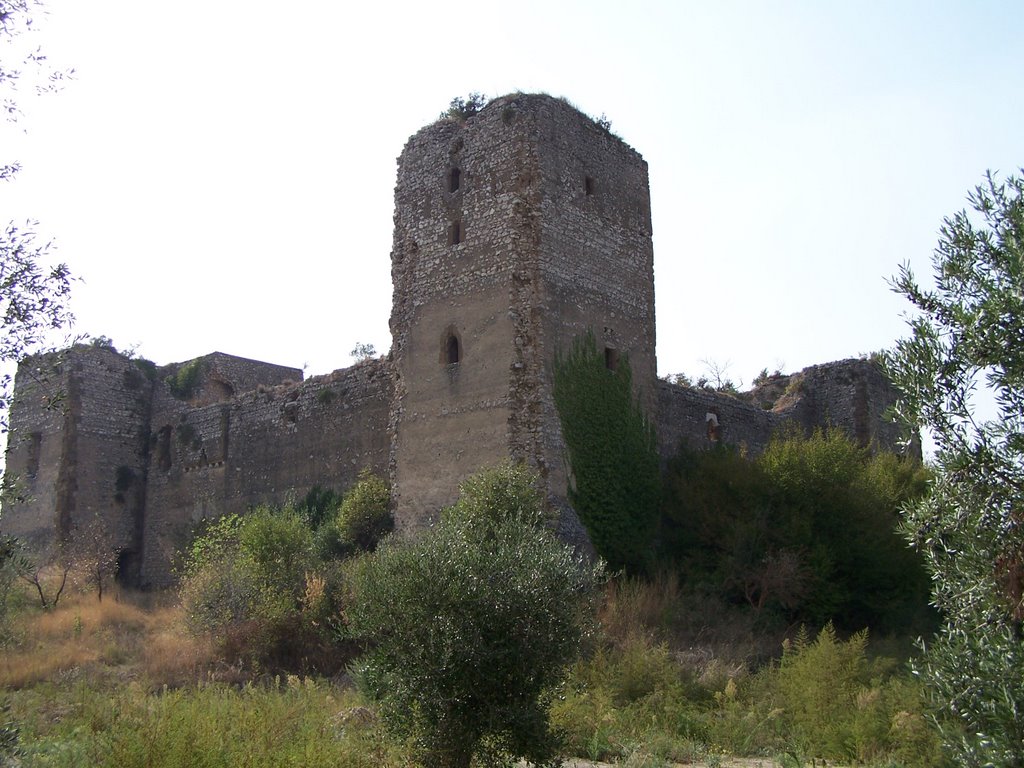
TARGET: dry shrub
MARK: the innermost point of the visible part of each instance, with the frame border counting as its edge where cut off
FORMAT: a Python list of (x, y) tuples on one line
[(634, 605), (172, 656)]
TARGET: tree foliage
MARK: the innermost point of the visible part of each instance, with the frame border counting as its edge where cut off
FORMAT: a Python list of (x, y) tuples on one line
[(471, 625), (33, 292), (615, 483), (808, 529), (966, 345)]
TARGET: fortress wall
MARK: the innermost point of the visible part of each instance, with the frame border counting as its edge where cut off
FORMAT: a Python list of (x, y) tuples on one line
[(700, 419), (270, 445), (35, 447)]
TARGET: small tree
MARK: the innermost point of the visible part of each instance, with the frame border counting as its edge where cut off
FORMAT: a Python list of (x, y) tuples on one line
[(471, 626), (463, 108), (362, 351), (615, 485), (969, 332)]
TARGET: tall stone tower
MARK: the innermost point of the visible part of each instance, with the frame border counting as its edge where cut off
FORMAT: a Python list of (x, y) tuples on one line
[(516, 230)]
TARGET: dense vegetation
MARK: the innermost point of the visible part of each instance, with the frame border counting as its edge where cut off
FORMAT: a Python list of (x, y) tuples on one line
[(616, 482), (807, 531)]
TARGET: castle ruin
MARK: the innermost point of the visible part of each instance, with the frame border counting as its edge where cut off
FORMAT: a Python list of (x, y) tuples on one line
[(516, 230)]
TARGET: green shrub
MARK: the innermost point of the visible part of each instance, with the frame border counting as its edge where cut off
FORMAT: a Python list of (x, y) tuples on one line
[(254, 584), (184, 381), (365, 513), (469, 629), (459, 109), (278, 545), (631, 694), (827, 699)]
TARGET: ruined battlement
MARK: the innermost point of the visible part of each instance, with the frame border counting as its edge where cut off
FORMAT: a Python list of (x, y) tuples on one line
[(516, 230)]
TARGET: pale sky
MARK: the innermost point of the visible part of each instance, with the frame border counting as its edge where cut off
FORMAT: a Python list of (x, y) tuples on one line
[(220, 173)]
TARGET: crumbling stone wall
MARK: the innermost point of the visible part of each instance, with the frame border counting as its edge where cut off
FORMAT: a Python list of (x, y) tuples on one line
[(269, 445), (81, 459), (852, 395)]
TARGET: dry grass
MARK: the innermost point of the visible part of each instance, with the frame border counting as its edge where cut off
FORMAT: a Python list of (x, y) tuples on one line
[(113, 636), (171, 655)]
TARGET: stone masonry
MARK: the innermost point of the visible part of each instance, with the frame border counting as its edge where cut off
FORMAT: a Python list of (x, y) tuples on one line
[(516, 230)]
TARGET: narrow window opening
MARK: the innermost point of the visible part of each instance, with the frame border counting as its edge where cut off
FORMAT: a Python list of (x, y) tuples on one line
[(163, 448), (35, 444), (451, 355), (455, 233), (611, 358), (588, 185), (454, 179)]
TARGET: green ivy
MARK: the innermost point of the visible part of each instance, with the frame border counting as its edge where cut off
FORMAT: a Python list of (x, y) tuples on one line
[(616, 482)]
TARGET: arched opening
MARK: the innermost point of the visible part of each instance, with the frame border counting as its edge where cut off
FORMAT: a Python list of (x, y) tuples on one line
[(454, 179), (451, 352), (713, 426)]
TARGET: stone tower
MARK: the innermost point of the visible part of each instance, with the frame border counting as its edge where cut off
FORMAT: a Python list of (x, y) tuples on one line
[(516, 230)]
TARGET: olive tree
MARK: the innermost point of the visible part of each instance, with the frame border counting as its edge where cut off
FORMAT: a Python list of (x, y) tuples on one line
[(471, 625), (966, 345)]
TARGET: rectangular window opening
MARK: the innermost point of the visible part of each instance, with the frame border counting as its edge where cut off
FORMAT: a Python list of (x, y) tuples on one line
[(611, 358)]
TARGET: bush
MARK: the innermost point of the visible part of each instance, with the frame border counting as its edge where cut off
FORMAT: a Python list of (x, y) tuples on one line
[(255, 585), (461, 109), (470, 627), (807, 530), (186, 379), (365, 515)]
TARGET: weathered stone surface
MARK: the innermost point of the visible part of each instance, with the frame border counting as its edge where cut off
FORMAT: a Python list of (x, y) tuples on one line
[(515, 231)]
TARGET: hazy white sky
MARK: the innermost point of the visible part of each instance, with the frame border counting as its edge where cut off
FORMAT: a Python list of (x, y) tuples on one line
[(220, 173)]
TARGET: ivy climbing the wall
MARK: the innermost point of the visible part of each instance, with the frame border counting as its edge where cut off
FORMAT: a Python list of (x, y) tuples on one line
[(615, 482)]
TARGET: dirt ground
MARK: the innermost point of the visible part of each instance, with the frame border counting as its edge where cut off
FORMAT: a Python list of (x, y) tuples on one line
[(732, 762)]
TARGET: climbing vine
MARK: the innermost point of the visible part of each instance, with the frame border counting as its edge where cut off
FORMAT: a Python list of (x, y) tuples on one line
[(615, 483)]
